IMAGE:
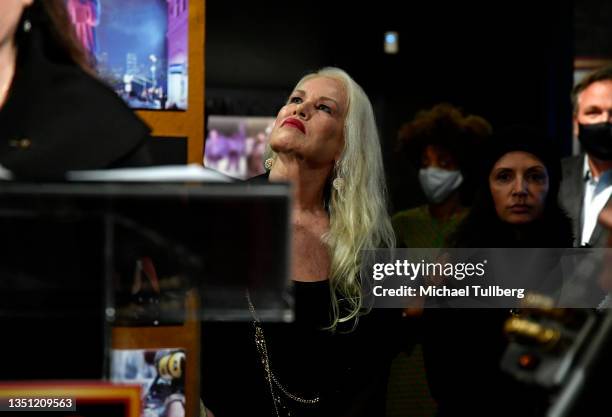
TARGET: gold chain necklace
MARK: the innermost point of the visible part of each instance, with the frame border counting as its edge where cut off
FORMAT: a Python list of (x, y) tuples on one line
[(273, 383)]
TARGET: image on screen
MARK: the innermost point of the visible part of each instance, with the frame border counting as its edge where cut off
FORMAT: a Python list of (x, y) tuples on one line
[(139, 47), (235, 145)]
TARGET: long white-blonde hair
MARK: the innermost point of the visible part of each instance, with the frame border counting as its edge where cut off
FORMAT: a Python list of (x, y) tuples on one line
[(358, 211)]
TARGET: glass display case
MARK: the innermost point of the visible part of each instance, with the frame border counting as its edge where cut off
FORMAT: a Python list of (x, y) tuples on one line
[(113, 280)]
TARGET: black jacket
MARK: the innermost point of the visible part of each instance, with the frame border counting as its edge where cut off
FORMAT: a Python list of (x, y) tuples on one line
[(57, 118), (571, 198)]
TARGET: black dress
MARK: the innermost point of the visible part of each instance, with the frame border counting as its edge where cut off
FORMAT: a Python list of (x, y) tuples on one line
[(348, 370)]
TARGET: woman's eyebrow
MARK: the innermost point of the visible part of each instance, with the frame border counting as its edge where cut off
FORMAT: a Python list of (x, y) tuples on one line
[(330, 99), (302, 92)]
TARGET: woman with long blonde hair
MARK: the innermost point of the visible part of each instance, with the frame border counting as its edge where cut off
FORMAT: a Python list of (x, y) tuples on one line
[(337, 172), (334, 359)]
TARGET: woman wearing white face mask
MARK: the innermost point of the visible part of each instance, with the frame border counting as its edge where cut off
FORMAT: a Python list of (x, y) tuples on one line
[(440, 177), (440, 142)]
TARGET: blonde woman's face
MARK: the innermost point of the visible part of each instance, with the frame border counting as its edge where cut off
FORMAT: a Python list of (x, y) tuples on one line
[(311, 125)]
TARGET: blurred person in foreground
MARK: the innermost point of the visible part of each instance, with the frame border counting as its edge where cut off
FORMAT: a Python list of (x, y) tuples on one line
[(55, 115)]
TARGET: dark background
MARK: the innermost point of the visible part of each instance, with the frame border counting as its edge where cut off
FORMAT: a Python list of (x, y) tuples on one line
[(510, 62)]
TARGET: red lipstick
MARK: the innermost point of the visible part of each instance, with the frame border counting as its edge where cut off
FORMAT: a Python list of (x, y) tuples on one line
[(295, 123)]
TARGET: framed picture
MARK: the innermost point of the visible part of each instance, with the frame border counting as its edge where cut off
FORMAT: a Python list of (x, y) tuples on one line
[(151, 52), (235, 145), (160, 374), (142, 354), (139, 47), (585, 65)]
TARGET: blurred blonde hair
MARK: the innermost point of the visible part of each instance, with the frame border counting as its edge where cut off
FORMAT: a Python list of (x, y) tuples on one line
[(358, 212)]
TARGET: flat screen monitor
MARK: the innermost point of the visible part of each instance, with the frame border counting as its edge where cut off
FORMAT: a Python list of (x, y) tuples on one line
[(140, 48), (235, 145)]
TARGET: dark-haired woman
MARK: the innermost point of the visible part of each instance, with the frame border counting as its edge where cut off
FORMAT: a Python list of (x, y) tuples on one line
[(516, 207), (441, 142)]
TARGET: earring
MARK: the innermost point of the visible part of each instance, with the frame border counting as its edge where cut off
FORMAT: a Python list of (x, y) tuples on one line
[(268, 164), (27, 25), (338, 183)]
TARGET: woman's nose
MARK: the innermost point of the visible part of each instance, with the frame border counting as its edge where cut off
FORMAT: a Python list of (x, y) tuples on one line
[(519, 186), (301, 110)]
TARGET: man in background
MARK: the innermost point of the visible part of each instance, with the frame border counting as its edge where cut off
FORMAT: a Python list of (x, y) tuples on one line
[(587, 178)]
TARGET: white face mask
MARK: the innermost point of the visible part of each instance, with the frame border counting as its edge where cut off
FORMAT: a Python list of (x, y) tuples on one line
[(438, 183)]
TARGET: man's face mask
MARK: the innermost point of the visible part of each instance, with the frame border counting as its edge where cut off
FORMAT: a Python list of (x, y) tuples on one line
[(596, 139)]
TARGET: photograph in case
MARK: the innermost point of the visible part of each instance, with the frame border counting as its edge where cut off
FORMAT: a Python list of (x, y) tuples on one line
[(161, 375)]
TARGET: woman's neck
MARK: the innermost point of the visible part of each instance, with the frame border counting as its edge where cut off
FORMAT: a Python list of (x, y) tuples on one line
[(8, 58), (310, 256), (308, 182), (446, 209)]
